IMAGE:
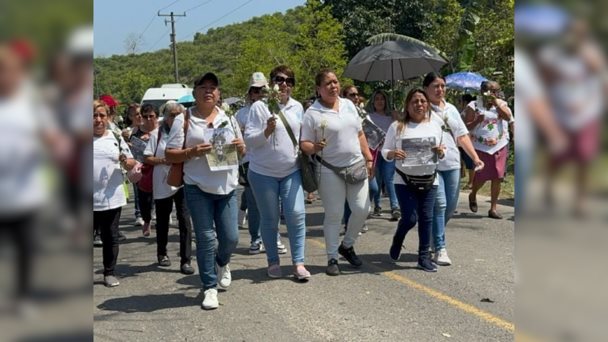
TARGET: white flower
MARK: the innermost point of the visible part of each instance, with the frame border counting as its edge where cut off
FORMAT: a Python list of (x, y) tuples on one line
[(276, 87)]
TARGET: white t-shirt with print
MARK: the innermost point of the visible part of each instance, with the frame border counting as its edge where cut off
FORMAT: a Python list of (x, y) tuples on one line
[(160, 188), (108, 179), (450, 118), (412, 130), (196, 170), (340, 130), (274, 156)]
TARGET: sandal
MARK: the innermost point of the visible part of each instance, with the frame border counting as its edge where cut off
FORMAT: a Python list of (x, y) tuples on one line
[(472, 204), (493, 214), (301, 273)]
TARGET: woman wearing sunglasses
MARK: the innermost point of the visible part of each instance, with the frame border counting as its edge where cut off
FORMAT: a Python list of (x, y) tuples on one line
[(274, 174)]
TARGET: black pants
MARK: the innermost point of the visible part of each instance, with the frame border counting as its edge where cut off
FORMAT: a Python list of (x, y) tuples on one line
[(19, 231), (145, 204), (163, 211), (107, 223)]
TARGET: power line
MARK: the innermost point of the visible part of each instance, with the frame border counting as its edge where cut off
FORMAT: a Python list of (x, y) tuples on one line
[(197, 6), (222, 17), (159, 39), (169, 5), (147, 26)]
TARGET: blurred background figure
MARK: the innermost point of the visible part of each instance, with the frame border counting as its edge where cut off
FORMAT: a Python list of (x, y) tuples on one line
[(561, 75), (46, 90)]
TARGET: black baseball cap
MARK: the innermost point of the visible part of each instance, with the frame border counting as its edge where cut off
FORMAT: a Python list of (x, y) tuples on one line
[(207, 77)]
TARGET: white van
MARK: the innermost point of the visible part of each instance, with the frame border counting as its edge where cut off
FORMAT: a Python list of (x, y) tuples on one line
[(159, 96)]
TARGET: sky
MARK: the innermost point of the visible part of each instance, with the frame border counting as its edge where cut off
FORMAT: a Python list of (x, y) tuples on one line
[(117, 20)]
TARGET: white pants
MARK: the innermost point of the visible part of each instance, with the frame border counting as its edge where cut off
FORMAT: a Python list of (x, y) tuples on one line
[(334, 191)]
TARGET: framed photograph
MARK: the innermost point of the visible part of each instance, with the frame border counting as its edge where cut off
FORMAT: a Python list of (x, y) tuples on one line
[(137, 148), (374, 134), (420, 158), (223, 155)]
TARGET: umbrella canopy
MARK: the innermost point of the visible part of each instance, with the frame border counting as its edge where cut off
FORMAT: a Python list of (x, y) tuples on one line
[(394, 60), (186, 99), (464, 81)]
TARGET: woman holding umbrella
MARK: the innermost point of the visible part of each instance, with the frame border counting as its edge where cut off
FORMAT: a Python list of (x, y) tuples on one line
[(454, 133), (488, 119)]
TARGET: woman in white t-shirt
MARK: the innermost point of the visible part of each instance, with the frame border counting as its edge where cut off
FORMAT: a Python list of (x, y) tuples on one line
[(110, 154), (332, 130), (165, 195), (416, 204), (448, 171), (209, 185)]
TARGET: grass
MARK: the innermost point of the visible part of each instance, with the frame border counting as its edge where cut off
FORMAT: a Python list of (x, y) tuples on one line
[(507, 191)]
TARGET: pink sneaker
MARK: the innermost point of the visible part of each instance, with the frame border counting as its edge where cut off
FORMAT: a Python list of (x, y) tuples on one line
[(146, 229)]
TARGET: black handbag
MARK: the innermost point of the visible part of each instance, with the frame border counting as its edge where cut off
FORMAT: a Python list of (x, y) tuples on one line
[(243, 169), (307, 166)]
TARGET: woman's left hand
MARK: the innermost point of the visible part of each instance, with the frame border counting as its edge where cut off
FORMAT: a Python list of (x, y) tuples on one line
[(440, 150), (479, 165), (240, 145), (370, 170)]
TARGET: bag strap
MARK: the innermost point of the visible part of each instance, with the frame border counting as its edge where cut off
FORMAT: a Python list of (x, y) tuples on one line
[(288, 128), (328, 165), (186, 124), (158, 141), (403, 175)]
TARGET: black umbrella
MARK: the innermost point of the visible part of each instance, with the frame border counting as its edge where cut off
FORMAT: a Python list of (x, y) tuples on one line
[(400, 58)]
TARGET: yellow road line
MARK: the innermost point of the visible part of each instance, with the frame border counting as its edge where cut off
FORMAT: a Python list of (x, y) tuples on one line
[(468, 308)]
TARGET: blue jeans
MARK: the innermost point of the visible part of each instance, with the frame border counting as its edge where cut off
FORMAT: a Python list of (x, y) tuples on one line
[(385, 172), (267, 191), (206, 210), (416, 207), (445, 204), (253, 215)]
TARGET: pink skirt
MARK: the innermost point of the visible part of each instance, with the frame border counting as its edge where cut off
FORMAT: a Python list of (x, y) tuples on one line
[(495, 165), (583, 145)]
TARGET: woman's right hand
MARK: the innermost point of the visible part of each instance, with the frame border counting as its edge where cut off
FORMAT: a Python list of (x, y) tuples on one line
[(271, 124), (200, 149), (397, 154), (319, 146)]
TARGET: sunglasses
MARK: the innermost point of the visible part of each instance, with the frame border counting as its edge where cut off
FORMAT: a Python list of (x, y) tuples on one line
[(255, 90), (352, 94), (290, 81)]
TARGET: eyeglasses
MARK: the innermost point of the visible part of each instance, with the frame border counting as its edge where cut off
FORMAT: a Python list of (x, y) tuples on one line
[(100, 115), (352, 94), (290, 81), (149, 117)]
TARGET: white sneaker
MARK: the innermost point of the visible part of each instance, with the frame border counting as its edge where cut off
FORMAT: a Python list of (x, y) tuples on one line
[(441, 257), (139, 222), (281, 249), (224, 277), (210, 302), (255, 247)]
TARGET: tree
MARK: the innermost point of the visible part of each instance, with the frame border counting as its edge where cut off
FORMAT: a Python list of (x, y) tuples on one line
[(132, 43)]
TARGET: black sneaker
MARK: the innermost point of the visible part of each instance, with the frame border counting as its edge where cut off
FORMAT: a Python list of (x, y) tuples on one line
[(332, 268), (186, 269), (426, 264), (395, 251), (395, 215), (163, 260), (97, 241), (349, 255), (377, 211)]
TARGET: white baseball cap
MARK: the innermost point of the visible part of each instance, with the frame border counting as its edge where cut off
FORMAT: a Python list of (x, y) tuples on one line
[(258, 80)]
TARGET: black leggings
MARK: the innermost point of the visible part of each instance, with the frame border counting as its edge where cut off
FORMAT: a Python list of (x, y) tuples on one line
[(163, 211), (19, 230), (106, 222)]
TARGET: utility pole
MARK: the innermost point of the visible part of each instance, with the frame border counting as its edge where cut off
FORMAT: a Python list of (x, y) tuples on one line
[(173, 42)]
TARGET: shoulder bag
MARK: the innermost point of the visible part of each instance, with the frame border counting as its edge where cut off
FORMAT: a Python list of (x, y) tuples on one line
[(176, 172), (307, 167)]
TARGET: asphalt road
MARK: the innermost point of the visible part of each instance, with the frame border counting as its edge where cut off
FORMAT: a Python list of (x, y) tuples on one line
[(472, 300)]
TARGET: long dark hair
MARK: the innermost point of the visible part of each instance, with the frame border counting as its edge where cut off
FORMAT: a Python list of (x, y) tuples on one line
[(403, 120), (430, 78)]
